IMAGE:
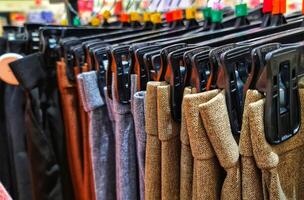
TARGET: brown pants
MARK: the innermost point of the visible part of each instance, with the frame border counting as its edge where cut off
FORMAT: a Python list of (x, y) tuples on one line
[(75, 121), (87, 157), (153, 145), (207, 173), (186, 163), (216, 121), (168, 133), (68, 92), (251, 174), (282, 164)]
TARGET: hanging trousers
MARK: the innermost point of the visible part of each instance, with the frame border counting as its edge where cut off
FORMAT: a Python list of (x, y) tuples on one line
[(14, 170), (138, 111), (153, 145), (168, 133), (207, 173), (44, 131), (15, 128), (282, 164), (88, 177), (215, 117), (125, 144), (186, 163), (101, 136), (251, 174), (6, 171), (72, 130)]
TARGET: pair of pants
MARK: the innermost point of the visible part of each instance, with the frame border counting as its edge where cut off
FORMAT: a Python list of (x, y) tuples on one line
[(282, 164), (153, 145), (162, 179), (207, 173), (44, 131), (138, 111), (6, 168), (101, 136), (73, 135), (186, 163), (169, 135), (125, 145), (16, 133), (87, 157), (251, 174), (215, 117)]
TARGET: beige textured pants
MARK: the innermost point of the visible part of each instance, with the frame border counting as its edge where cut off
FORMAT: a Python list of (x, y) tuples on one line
[(207, 173), (216, 121), (186, 163), (168, 133), (251, 174), (153, 145), (282, 165)]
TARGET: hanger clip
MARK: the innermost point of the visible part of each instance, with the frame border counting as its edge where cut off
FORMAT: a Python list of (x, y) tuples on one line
[(282, 107), (236, 64)]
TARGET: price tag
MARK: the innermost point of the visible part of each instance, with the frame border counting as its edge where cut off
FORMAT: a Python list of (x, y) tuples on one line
[(106, 14), (134, 16), (267, 6), (156, 18), (190, 13), (216, 16), (241, 10), (147, 17)]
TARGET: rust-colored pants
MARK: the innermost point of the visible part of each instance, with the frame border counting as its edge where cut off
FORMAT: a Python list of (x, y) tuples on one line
[(72, 128), (75, 120), (87, 157)]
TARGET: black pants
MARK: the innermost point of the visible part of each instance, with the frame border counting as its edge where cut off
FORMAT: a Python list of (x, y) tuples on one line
[(44, 131)]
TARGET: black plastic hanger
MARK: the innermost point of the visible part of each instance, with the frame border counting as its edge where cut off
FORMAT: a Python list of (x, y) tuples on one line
[(280, 84)]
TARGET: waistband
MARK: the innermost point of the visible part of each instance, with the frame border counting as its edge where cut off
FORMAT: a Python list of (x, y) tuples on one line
[(29, 70)]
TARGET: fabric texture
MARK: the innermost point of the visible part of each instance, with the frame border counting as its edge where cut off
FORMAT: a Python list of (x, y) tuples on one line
[(69, 102), (138, 110), (216, 121), (8, 175), (125, 144), (88, 177), (44, 167), (102, 143), (16, 133), (282, 164), (44, 131), (169, 135), (186, 163), (251, 175), (153, 145), (207, 173)]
